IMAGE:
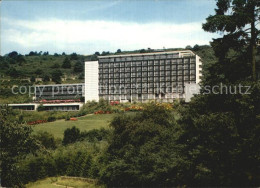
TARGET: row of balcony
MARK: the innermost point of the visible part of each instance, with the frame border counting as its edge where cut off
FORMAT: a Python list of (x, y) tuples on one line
[(168, 57), (173, 75), (163, 90), (140, 69), (144, 65)]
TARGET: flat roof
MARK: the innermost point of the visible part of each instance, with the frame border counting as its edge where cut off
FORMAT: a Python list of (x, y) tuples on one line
[(59, 84), (62, 104), (149, 53), (46, 104), (22, 104)]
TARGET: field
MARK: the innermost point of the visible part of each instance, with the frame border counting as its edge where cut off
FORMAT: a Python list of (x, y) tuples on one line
[(55, 182), (85, 123)]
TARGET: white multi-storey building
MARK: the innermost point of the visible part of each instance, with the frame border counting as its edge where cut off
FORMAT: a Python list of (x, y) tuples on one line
[(142, 77)]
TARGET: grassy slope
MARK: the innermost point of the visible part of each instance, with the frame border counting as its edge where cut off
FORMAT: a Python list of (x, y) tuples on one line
[(55, 182), (86, 123)]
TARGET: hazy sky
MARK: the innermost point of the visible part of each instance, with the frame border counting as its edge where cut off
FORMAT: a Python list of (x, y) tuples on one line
[(88, 26)]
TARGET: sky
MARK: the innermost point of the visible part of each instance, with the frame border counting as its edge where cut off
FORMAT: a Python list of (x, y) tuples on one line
[(88, 26)]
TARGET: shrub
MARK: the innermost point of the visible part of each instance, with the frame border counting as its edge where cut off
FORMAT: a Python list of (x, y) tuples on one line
[(51, 119), (95, 135), (46, 139), (40, 108), (71, 135)]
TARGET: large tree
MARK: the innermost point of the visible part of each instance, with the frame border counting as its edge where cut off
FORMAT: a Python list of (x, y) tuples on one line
[(237, 20), (15, 142)]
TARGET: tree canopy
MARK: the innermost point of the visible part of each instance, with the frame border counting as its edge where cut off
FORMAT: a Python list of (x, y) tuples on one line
[(237, 20)]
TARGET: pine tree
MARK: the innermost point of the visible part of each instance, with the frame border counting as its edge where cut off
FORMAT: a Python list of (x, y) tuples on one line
[(66, 63), (237, 19)]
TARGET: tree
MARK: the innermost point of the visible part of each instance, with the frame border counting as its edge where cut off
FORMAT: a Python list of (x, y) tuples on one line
[(13, 72), (38, 71), (142, 150), (188, 47), (74, 56), (46, 139), (118, 51), (196, 47), (97, 53), (105, 53), (55, 66), (71, 135), (32, 79), (78, 67), (218, 132), (45, 53), (16, 141), (20, 59), (66, 63), (13, 54), (46, 78), (142, 51), (219, 140), (32, 53), (238, 19), (56, 76)]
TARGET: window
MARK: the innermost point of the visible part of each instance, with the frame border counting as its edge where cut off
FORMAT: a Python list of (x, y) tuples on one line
[(144, 63), (144, 74), (162, 73)]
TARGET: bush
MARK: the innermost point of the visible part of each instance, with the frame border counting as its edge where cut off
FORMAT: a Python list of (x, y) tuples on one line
[(40, 108), (74, 160), (46, 139), (95, 135), (51, 119), (71, 135)]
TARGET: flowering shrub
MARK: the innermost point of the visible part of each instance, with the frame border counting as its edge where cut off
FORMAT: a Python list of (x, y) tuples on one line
[(134, 108), (59, 101), (37, 122), (166, 106), (73, 119), (103, 112), (114, 103)]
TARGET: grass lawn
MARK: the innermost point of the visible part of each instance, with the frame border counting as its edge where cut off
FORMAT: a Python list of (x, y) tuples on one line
[(55, 182), (85, 123)]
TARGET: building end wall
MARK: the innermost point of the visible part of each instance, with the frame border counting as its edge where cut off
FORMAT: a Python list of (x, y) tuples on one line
[(91, 81)]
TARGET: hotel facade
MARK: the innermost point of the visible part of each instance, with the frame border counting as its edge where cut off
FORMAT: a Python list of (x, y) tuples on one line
[(161, 76)]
